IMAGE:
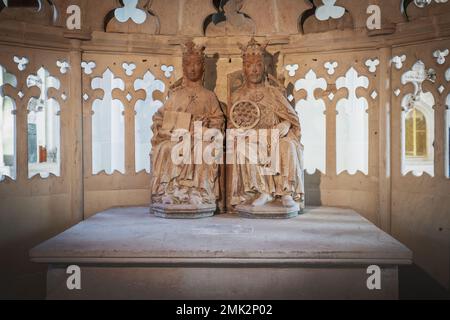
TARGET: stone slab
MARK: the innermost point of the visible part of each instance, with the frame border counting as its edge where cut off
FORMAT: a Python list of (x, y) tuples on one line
[(132, 235)]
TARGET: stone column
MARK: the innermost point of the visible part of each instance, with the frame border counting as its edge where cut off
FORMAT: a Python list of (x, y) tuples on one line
[(75, 102), (384, 136)]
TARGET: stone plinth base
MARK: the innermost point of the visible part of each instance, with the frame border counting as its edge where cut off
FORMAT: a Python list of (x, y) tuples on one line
[(269, 211), (182, 211), (263, 280)]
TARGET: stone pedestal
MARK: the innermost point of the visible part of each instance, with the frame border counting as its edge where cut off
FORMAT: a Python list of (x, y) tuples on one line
[(269, 211), (125, 253), (182, 211)]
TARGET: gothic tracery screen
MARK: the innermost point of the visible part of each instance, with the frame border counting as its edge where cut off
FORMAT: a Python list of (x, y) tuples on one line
[(320, 85), (352, 126), (7, 127), (33, 97), (418, 123), (122, 94), (108, 126), (447, 135), (44, 146), (313, 122)]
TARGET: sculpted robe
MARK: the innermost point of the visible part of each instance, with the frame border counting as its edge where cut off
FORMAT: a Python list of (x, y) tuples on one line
[(182, 181), (248, 179)]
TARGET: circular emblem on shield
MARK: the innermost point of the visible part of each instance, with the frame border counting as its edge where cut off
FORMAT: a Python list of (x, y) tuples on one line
[(245, 114)]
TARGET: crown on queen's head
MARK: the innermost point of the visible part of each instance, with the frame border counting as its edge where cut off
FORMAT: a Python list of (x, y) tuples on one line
[(253, 48), (191, 49)]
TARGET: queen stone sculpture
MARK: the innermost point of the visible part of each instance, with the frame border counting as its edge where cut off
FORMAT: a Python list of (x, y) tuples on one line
[(188, 189), (261, 105)]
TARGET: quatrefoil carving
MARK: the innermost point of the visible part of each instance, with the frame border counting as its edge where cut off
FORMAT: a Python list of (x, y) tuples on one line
[(129, 68), (88, 66), (21, 62), (372, 65), (130, 11), (329, 10), (398, 61), (63, 66), (292, 69), (440, 56), (331, 66), (167, 70)]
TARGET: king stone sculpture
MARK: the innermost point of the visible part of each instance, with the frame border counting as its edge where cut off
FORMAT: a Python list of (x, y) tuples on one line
[(186, 189), (260, 106)]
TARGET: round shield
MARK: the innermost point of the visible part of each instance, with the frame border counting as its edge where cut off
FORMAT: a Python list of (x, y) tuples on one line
[(245, 114)]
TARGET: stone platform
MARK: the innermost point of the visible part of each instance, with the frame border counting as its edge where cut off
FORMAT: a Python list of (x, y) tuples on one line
[(127, 253)]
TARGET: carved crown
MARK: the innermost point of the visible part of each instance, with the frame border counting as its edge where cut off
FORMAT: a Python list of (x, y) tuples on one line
[(253, 48), (191, 49)]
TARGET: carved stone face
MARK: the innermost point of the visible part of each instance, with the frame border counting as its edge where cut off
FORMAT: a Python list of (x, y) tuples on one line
[(193, 68), (254, 69)]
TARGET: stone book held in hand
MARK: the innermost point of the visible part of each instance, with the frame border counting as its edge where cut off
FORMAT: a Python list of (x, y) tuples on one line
[(176, 120)]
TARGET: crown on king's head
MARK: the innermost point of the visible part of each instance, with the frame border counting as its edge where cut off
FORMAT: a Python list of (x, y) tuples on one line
[(253, 48), (191, 49)]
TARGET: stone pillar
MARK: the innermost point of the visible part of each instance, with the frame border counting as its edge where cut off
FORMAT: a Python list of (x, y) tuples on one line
[(384, 131), (75, 102)]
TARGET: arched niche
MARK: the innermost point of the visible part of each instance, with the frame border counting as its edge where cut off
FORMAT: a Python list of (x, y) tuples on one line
[(425, 8), (7, 127), (229, 20), (44, 127), (312, 117), (42, 12), (418, 134), (108, 126), (418, 122)]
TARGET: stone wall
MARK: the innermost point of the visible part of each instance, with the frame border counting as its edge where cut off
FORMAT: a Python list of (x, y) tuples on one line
[(413, 209)]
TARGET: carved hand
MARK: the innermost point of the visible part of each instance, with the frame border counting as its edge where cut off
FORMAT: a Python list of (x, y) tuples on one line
[(284, 128), (165, 134)]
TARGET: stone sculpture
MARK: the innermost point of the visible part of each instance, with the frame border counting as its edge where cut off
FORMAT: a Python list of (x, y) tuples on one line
[(189, 189), (260, 105)]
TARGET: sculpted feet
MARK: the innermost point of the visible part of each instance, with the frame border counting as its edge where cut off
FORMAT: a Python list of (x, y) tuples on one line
[(288, 201), (262, 200)]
